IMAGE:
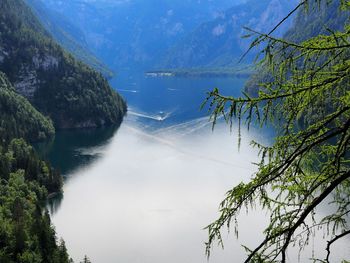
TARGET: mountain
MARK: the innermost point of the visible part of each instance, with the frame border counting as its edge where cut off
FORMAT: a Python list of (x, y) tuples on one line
[(136, 33), (68, 36), (18, 118), (34, 66), (72, 94), (219, 43), (321, 19), (26, 233)]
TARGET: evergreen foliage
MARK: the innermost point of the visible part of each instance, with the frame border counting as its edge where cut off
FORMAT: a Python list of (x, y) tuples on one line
[(26, 234), (18, 118), (86, 260), (18, 155), (308, 99), (68, 36), (70, 93)]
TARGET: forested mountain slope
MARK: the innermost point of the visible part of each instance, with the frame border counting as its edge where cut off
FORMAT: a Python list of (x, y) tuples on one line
[(68, 36), (18, 118), (321, 19), (26, 234), (69, 92)]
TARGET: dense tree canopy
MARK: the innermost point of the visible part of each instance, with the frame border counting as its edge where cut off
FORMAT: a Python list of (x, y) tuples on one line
[(307, 97), (26, 235), (18, 118), (72, 94)]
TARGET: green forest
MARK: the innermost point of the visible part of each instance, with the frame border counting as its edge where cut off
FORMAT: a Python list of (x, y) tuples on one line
[(66, 34), (72, 94), (66, 94), (19, 119), (299, 84), (26, 234), (25, 229)]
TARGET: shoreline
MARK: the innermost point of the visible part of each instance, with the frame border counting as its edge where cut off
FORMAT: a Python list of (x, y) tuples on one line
[(195, 72)]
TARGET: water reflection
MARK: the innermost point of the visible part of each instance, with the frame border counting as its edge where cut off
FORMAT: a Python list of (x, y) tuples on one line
[(72, 149), (54, 203), (151, 193)]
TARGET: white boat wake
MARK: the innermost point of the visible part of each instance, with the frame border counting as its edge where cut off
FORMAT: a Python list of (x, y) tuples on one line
[(160, 117), (187, 128), (128, 90)]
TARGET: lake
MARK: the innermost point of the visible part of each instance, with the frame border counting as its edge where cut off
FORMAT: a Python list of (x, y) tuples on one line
[(144, 191)]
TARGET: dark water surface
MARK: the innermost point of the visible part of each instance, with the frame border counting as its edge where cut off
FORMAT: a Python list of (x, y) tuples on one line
[(176, 99), (143, 192)]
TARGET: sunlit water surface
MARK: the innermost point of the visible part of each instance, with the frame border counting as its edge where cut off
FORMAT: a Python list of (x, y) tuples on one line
[(144, 192)]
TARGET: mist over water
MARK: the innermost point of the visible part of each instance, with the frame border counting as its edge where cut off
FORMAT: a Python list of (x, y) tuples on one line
[(144, 192), (149, 196)]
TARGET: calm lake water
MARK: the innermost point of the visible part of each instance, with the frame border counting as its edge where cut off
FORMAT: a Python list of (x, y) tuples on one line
[(143, 192)]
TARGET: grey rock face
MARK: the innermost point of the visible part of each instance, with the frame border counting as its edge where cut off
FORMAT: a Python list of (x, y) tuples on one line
[(45, 62)]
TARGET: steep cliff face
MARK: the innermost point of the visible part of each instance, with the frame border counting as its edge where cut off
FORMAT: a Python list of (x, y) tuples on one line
[(58, 85), (26, 181), (219, 42), (18, 118), (68, 35)]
